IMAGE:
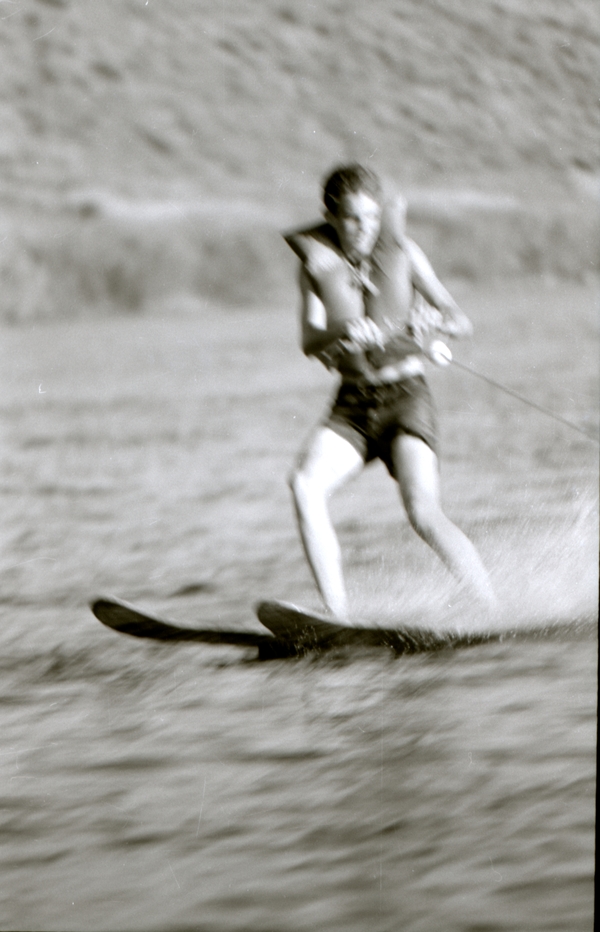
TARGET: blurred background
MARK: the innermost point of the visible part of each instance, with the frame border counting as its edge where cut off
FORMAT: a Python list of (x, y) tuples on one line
[(151, 151), (152, 400)]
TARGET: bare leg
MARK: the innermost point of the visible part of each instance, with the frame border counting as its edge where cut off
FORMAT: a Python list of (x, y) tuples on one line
[(418, 476), (328, 462)]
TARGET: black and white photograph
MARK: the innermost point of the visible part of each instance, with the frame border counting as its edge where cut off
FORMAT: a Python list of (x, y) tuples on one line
[(299, 420)]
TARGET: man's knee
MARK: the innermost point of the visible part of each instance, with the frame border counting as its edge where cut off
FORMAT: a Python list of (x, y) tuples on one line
[(302, 484), (424, 515), (308, 487)]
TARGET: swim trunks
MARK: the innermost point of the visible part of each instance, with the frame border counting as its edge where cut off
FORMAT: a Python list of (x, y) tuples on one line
[(370, 417)]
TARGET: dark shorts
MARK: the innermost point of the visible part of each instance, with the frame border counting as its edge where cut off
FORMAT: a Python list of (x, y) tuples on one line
[(371, 417)]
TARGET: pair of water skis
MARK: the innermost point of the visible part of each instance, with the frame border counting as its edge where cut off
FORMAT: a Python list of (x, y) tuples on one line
[(292, 631)]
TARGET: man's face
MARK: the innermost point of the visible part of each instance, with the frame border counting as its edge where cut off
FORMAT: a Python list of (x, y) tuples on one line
[(357, 224)]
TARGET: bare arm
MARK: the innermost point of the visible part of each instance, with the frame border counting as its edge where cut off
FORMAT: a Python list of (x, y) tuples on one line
[(455, 322), (316, 336), (342, 346)]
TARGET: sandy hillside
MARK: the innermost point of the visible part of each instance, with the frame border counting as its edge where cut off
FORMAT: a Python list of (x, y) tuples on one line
[(237, 108)]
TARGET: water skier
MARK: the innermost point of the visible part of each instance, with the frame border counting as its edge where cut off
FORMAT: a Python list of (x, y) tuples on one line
[(371, 306)]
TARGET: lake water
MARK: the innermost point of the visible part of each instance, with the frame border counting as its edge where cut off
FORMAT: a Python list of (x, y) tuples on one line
[(190, 787)]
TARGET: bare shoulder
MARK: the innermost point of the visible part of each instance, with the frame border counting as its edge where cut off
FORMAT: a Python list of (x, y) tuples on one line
[(393, 218), (414, 250), (422, 271)]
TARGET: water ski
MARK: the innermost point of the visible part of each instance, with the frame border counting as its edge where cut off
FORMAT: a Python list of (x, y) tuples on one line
[(306, 630), (293, 631), (129, 619)]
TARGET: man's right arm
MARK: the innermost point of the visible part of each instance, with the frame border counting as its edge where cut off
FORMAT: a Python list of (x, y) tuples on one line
[(342, 346), (316, 335)]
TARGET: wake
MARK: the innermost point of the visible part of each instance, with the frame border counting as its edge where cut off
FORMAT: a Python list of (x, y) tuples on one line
[(544, 572)]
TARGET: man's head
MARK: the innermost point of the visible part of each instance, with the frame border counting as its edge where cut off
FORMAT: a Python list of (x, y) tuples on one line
[(353, 204)]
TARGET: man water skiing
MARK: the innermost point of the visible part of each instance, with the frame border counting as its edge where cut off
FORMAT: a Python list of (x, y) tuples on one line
[(371, 307)]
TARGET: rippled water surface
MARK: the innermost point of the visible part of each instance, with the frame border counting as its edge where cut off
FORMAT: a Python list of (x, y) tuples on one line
[(148, 786)]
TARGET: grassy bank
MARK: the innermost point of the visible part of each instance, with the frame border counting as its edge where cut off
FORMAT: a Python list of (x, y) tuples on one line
[(202, 129), (111, 256)]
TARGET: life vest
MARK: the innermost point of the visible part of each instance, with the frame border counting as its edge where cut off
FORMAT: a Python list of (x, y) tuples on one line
[(380, 288)]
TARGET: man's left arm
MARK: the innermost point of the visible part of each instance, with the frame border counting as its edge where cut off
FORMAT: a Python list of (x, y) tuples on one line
[(455, 322)]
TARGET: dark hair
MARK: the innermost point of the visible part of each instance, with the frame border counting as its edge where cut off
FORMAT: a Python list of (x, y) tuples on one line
[(349, 179)]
